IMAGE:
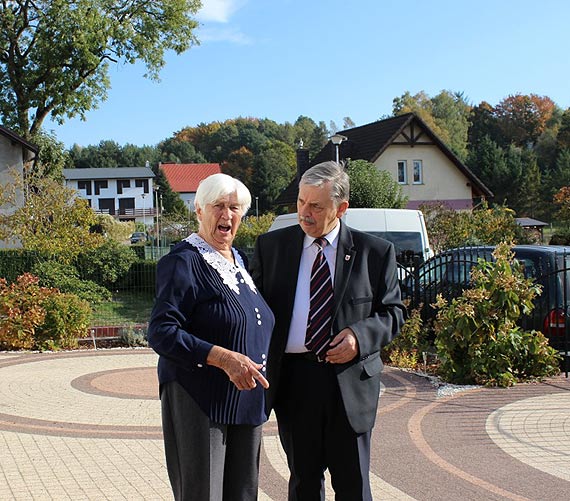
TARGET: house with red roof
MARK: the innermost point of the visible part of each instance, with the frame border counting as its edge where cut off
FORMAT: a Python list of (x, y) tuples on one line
[(184, 178)]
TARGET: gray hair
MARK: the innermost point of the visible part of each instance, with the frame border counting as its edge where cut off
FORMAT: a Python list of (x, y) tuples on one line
[(331, 172), (216, 186)]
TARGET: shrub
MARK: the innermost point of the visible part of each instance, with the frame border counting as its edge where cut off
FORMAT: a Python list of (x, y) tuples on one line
[(251, 227), (66, 320), (477, 338), (66, 278), (36, 317), (106, 264), (21, 311), (405, 350), (133, 336)]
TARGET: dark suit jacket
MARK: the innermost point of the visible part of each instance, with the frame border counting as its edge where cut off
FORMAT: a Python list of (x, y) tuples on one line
[(367, 299)]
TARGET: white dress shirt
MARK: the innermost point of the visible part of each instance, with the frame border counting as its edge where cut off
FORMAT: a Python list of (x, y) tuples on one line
[(298, 327)]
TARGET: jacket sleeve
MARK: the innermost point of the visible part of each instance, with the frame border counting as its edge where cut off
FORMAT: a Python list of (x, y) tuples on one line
[(177, 291), (387, 313)]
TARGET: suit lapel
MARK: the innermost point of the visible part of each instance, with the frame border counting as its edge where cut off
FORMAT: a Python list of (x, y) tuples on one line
[(344, 261)]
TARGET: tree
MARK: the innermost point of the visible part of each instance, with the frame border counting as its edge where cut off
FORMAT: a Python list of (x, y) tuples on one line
[(522, 119), (274, 169), (372, 188), (446, 115), (55, 55), (53, 220)]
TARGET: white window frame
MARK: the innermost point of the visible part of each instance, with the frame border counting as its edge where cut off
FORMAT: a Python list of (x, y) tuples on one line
[(404, 171), (420, 171)]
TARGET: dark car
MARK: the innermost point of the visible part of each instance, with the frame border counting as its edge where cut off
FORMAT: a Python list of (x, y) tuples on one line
[(448, 273), (137, 237)]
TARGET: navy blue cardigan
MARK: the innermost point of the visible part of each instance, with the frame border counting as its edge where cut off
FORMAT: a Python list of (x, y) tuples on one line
[(203, 300)]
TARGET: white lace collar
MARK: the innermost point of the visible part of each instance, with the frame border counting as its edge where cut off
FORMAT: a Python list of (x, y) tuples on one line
[(227, 271)]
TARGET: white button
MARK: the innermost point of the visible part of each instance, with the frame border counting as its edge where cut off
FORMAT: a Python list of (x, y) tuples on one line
[(242, 280), (200, 365), (258, 315), (263, 369), (256, 309), (259, 322), (263, 356)]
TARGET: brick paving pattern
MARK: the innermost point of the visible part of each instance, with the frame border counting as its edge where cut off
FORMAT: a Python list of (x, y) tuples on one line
[(85, 425)]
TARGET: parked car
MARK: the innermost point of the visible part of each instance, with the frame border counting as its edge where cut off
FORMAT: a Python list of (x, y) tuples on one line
[(448, 273), (138, 236)]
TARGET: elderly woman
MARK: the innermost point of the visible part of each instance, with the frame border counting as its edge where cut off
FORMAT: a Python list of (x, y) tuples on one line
[(211, 328)]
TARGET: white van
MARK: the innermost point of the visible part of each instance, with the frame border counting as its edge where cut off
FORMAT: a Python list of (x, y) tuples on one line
[(405, 228)]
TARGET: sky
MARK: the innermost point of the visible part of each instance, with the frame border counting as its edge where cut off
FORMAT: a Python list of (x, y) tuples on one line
[(330, 59)]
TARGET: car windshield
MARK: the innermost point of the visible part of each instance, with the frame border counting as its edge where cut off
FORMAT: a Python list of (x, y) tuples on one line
[(408, 244)]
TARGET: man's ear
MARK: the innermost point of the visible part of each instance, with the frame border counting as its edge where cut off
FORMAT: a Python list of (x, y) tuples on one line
[(342, 209)]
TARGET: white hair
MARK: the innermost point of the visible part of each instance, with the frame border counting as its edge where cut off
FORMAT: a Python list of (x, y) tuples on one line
[(216, 186)]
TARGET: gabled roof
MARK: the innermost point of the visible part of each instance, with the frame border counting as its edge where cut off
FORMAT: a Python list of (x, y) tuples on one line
[(184, 178), (529, 222), (108, 173), (12, 136), (369, 141)]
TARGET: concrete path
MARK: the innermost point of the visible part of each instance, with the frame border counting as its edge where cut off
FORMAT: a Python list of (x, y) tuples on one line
[(85, 425)]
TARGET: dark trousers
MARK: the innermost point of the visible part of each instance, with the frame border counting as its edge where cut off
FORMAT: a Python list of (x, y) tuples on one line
[(316, 435), (207, 461)]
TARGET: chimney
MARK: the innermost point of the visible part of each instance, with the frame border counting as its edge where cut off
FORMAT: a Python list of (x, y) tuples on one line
[(302, 160)]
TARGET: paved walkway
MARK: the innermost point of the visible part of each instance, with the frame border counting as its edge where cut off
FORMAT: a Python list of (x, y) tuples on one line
[(86, 426)]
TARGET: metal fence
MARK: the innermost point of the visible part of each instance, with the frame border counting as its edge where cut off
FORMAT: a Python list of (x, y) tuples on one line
[(449, 273)]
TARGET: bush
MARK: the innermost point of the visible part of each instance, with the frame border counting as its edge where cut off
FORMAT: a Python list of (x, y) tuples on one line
[(66, 320), (477, 338), (15, 262), (405, 350), (133, 336), (250, 228), (39, 318), (106, 264), (66, 278)]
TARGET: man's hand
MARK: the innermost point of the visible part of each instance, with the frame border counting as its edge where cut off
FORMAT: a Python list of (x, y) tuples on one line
[(343, 348), (241, 370)]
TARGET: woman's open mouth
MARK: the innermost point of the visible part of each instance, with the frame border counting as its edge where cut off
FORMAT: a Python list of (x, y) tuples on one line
[(224, 229)]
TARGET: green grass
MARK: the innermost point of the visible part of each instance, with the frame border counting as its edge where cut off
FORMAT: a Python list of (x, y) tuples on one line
[(125, 308)]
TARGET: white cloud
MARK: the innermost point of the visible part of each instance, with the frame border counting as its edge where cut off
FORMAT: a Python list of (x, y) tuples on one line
[(219, 11), (223, 35)]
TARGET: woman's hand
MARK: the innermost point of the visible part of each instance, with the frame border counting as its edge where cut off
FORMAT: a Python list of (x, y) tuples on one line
[(242, 371)]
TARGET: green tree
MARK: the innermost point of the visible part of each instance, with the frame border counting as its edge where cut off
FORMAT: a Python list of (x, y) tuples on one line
[(446, 114), (174, 150), (529, 192), (55, 55), (274, 168), (53, 220), (372, 188)]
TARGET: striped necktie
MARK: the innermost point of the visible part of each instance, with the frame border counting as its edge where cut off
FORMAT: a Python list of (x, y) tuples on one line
[(321, 304)]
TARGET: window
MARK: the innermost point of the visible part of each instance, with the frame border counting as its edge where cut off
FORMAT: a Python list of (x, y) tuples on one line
[(418, 172), (84, 185), (100, 185), (121, 184), (402, 172), (142, 183), (107, 205)]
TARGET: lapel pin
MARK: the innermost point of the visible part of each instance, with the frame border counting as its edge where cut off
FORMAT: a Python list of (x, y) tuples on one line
[(347, 257)]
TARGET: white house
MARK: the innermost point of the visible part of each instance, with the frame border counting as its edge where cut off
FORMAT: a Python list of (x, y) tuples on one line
[(126, 193)]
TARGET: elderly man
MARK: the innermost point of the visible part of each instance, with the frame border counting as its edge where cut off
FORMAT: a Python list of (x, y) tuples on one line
[(336, 299)]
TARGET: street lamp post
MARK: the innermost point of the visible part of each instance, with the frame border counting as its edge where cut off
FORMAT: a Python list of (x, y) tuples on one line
[(256, 207), (336, 140), (157, 227), (144, 212)]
